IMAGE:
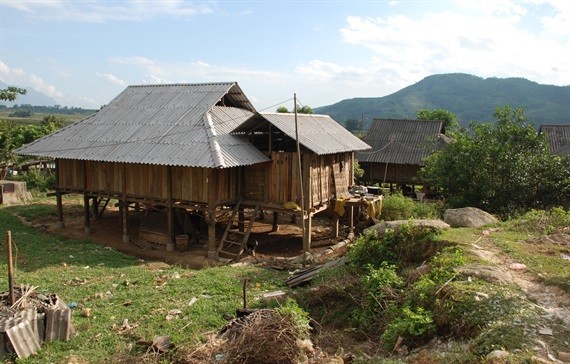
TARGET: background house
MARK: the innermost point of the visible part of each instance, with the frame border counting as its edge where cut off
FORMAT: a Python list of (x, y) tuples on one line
[(559, 138), (398, 149), (171, 147)]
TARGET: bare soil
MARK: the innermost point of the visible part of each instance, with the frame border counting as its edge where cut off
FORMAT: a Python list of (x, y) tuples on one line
[(287, 241)]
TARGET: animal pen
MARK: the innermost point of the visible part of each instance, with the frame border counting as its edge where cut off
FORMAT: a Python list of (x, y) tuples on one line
[(198, 150)]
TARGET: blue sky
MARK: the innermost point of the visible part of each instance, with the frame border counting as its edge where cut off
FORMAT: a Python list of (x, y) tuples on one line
[(84, 53)]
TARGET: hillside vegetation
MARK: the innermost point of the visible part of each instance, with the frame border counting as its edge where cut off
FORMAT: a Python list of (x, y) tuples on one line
[(469, 97)]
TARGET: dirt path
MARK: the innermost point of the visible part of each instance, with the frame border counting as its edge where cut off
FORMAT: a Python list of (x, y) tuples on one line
[(553, 300)]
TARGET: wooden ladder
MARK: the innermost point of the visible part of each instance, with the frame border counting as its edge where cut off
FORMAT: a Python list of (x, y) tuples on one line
[(225, 247)]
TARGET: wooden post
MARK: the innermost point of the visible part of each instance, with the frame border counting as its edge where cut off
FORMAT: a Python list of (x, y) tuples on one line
[(308, 229), (336, 224), (59, 202), (125, 208), (58, 199), (10, 267), (86, 213), (169, 211), (241, 218), (212, 196), (211, 233), (351, 219), (275, 226)]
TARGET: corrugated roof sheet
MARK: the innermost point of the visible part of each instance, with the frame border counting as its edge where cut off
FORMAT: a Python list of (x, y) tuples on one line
[(558, 137), (319, 133), (176, 125), (401, 141)]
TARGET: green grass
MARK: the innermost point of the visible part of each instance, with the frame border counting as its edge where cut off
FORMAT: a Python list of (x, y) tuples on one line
[(117, 287), (543, 260)]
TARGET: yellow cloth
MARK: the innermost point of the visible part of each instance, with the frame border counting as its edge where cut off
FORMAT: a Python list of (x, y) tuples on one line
[(339, 207), (374, 207), (291, 205)]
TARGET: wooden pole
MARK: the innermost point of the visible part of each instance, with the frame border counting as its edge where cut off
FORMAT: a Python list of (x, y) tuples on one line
[(305, 244), (10, 267)]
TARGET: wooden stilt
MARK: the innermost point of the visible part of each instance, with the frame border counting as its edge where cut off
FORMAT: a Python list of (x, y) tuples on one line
[(275, 226), (336, 225), (211, 234), (125, 219), (59, 202), (86, 213)]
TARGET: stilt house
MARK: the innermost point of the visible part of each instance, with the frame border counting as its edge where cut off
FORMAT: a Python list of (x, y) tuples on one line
[(199, 149), (399, 147)]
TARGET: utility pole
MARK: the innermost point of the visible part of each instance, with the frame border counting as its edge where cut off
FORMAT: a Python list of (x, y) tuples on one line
[(305, 244)]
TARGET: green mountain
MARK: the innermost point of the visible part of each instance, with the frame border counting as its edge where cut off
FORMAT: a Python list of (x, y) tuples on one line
[(469, 97)]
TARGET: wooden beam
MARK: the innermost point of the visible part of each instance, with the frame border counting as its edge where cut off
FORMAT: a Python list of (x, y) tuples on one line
[(86, 213), (169, 211), (61, 223), (275, 226), (125, 208)]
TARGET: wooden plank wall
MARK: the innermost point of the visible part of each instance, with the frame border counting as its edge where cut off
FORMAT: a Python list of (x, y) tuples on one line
[(105, 176), (71, 174), (255, 181), (146, 180), (404, 173), (190, 184), (227, 183)]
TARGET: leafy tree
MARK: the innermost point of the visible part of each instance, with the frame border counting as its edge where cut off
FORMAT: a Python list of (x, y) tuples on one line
[(301, 110), (10, 93), (503, 167), (352, 125), (449, 119), (51, 123)]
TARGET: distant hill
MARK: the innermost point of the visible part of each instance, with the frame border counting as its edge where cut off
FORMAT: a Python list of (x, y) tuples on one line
[(32, 97), (469, 97)]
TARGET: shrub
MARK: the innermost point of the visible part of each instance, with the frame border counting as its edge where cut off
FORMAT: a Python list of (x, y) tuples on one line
[(399, 207), (405, 245), (37, 179), (545, 222), (413, 324)]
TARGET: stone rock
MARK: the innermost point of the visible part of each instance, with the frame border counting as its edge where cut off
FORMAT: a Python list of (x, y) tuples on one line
[(487, 273), (497, 354), (381, 227), (468, 217)]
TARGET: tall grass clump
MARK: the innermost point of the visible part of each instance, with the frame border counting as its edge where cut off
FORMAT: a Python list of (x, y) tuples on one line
[(399, 207)]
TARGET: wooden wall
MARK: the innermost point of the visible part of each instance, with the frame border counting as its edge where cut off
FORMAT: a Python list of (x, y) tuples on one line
[(277, 182), (395, 173), (149, 181), (71, 174)]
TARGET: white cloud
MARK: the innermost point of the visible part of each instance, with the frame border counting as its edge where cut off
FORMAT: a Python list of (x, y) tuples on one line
[(100, 11), (111, 78), (493, 43), (18, 77)]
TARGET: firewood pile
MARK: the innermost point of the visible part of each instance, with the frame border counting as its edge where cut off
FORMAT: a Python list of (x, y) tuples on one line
[(34, 318)]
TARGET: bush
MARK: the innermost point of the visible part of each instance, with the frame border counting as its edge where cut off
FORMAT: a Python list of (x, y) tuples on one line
[(399, 207), (37, 179), (405, 245), (545, 222)]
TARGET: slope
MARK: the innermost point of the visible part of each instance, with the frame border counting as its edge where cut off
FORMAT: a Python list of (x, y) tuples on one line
[(469, 97)]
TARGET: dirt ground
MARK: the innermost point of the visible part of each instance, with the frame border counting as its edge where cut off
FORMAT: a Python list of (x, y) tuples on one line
[(107, 231)]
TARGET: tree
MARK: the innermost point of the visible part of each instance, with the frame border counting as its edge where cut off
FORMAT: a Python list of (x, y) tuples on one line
[(10, 93), (503, 167), (449, 119), (353, 125), (301, 110)]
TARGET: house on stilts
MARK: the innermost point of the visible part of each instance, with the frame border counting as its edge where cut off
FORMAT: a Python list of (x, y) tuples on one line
[(399, 147), (200, 150)]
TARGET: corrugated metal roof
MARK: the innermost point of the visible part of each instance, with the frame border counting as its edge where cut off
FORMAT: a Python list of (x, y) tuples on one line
[(401, 141), (319, 133), (178, 125), (558, 137)]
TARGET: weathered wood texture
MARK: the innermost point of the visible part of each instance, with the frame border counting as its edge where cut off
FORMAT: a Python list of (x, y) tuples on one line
[(395, 173), (149, 181), (278, 182)]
